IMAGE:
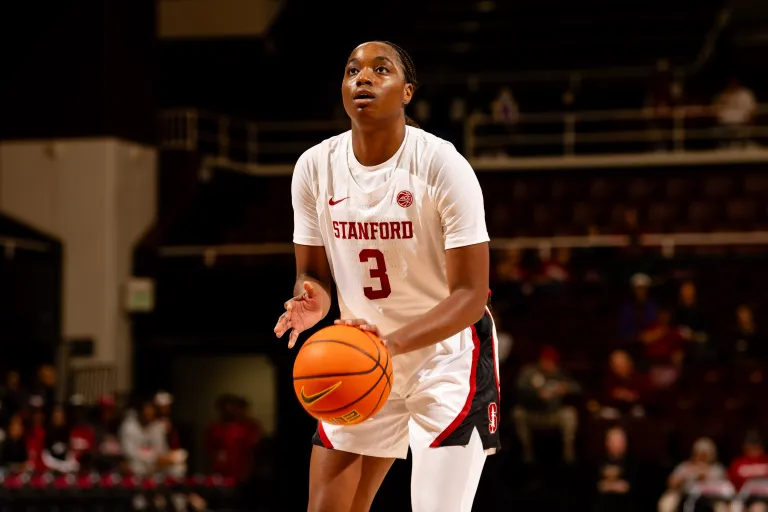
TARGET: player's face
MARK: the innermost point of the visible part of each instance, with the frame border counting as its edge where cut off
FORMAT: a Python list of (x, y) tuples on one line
[(374, 87)]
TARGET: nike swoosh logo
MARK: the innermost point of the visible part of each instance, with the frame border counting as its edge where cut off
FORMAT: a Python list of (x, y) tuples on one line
[(334, 203), (309, 400)]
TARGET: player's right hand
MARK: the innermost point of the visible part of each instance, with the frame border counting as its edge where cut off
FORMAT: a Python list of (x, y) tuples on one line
[(301, 313)]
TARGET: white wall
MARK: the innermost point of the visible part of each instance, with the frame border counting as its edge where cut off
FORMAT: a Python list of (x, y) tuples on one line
[(98, 196)]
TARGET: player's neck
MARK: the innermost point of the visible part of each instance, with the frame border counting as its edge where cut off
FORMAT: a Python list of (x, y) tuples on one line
[(376, 146)]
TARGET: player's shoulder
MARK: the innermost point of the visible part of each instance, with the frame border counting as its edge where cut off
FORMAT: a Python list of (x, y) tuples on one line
[(434, 156), (323, 149)]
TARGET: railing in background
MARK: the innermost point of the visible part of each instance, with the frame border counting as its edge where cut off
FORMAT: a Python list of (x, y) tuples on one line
[(667, 242), (93, 381), (595, 138), (567, 134)]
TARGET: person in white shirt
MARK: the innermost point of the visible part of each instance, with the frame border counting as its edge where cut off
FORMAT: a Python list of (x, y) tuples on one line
[(395, 216), (735, 109)]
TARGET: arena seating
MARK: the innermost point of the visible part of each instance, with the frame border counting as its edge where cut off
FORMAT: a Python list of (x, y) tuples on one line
[(238, 208)]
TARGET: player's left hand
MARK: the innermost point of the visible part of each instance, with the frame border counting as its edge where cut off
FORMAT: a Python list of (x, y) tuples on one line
[(360, 324), (366, 326)]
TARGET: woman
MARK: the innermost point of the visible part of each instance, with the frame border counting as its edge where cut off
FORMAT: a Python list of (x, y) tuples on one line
[(395, 215)]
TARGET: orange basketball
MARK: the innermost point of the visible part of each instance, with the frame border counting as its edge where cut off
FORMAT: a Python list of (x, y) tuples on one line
[(342, 375)]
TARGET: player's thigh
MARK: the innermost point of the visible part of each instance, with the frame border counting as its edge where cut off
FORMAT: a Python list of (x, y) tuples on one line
[(349, 462), (445, 479), (384, 436), (344, 482)]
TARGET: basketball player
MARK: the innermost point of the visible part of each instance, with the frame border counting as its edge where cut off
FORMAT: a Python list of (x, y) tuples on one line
[(395, 216)]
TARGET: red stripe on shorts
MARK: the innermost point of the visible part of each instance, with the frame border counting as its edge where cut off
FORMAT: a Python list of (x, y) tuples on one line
[(323, 437), (495, 346), (470, 396)]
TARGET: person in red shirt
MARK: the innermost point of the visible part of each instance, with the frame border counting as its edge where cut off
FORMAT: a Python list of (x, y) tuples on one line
[(35, 434), (624, 389), (230, 441), (752, 464), (82, 436)]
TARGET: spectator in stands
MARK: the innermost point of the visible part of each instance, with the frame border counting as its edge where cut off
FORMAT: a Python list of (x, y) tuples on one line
[(624, 389), (542, 387), (512, 281), (735, 108), (506, 114), (13, 398), (36, 431), (145, 446), (163, 403), (504, 108), (555, 269), (230, 441), (701, 467), (13, 451), (45, 386), (663, 350), (753, 463), (82, 437), (57, 453), (640, 312), (746, 344), (692, 323), (109, 455), (615, 475)]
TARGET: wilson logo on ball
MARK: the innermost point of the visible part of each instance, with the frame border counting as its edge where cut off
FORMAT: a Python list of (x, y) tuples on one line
[(404, 198)]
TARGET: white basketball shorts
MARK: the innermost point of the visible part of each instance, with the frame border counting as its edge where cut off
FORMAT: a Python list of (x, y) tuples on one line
[(434, 403)]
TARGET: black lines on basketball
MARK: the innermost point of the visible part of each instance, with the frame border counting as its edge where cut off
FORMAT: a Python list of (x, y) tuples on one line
[(345, 374), (353, 402), (378, 351)]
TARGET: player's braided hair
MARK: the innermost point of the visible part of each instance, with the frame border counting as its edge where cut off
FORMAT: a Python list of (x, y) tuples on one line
[(409, 70)]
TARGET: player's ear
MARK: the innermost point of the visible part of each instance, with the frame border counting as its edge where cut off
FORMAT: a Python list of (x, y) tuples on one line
[(407, 94)]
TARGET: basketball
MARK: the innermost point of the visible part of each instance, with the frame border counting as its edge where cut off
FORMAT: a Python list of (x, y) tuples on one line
[(342, 375)]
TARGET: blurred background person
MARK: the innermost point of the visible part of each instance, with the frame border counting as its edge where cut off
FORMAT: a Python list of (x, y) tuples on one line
[(542, 388)]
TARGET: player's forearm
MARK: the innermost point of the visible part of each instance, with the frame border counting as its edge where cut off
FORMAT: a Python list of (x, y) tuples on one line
[(323, 290), (462, 308)]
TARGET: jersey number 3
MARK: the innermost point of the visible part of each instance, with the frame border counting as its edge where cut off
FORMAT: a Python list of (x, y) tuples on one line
[(379, 271)]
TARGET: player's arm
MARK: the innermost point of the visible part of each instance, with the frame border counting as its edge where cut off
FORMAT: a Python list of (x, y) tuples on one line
[(459, 201), (467, 269), (311, 290), (313, 272)]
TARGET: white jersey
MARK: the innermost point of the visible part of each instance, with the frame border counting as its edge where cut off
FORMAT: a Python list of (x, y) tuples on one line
[(386, 228)]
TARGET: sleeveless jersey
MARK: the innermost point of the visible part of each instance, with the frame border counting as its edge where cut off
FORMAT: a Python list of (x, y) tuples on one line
[(386, 240)]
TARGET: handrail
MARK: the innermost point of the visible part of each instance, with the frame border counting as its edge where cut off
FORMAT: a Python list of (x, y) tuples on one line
[(234, 141), (667, 241)]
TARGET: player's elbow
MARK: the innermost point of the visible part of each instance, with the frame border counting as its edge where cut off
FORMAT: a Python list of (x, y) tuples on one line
[(477, 303)]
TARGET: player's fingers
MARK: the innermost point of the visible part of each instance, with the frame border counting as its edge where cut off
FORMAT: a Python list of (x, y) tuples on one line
[(360, 324), (283, 324), (293, 337), (369, 328), (354, 322), (309, 290)]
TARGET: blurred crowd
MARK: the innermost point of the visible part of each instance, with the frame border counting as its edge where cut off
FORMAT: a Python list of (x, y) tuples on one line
[(39, 434), (671, 370)]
